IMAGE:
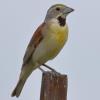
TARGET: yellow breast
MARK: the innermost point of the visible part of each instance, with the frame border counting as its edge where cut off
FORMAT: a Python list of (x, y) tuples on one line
[(60, 33), (56, 38)]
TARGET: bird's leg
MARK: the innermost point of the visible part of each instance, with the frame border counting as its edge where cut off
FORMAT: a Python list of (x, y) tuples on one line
[(45, 65), (42, 70), (49, 67)]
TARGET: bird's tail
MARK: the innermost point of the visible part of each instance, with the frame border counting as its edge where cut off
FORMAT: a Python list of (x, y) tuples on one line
[(25, 72), (16, 92)]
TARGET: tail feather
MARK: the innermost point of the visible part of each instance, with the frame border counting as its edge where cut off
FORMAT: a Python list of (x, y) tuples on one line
[(25, 72), (16, 92)]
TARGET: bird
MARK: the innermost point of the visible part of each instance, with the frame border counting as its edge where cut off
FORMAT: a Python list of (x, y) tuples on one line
[(45, 44)]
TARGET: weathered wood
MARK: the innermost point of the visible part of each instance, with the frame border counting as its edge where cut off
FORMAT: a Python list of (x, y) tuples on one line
[(54, 86)]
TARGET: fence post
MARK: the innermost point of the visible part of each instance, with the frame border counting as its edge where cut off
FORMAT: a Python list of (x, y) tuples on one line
[(54, 86)]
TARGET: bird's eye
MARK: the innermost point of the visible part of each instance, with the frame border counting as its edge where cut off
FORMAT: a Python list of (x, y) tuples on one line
[(58, 9)]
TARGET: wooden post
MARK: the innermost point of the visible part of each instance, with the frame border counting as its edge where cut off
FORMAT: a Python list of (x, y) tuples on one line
[(54, 86)]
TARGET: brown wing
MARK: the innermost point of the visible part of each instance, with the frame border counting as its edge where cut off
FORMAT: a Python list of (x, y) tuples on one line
[(35, 40)]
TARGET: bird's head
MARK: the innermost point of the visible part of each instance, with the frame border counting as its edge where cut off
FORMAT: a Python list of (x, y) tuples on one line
[(58, 11)]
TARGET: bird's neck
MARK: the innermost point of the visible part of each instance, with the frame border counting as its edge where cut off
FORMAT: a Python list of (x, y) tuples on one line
[(56, 26), (61, 20)]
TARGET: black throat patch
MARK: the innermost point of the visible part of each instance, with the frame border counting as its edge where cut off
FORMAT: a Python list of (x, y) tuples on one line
[(62, 21)]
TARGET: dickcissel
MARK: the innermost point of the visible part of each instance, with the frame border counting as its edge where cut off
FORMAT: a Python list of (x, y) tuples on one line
[(46, 43)]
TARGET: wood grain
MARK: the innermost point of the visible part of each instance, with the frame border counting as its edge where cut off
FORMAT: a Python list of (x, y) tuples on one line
[(54, 86)]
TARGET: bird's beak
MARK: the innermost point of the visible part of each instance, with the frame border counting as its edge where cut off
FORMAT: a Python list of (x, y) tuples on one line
[(68, 10)]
